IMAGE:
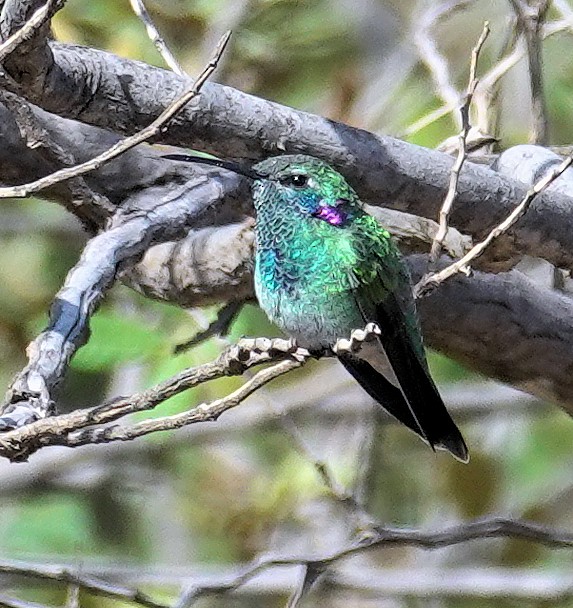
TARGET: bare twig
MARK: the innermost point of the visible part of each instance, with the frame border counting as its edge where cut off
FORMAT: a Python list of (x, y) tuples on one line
[(58, 430), (384, 536), (156, 127), (429, 53), (155, 37), (205, 412), (530, 17), (445, 210), (428, 283), (89, 206), (219, 327), (36, 21), (91, 584), (70, 429), (73, 596), (431, 581), (491, 78), (30, 395), (311, 574)]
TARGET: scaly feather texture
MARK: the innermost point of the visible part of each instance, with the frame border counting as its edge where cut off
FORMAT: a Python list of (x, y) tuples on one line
[(325, 267)]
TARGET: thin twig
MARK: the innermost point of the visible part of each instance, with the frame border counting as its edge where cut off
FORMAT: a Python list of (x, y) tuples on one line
[(445, 210), (429, 282), (312, 573), (205, 412), (362, 519), (92, 584), (38, 18), (429, 52), (19, 443), (221, 326), (530, 16), (148, 132), (73, 596), (155, 37), (495, 527), (485, 101), (66, 429), (491, 78)]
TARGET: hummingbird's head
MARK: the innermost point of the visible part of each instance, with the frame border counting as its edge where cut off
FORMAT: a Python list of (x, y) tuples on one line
[(302, 183), (307, 184)]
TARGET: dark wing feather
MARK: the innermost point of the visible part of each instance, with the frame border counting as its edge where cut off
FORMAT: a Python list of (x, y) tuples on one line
[(381, 390), (417, 404), (418, 388)]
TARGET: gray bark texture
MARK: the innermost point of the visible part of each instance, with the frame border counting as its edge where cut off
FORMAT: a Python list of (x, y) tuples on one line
[(183, 233)]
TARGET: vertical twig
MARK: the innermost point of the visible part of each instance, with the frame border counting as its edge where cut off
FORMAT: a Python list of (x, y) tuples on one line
[(462, 153), (429, 282), (430, 54), (73, 596), (155, 37), (530, 16), (485, 100)]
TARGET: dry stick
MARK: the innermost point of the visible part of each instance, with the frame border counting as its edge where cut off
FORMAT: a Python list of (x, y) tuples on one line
[(338, 493), (19, 443), (205, 412), (438, 241), (73, 596), (129, 142), (487, 110), (91, 584), (428, 283), (491, 78), (530, 16), (380, 536), (38, 18), (429, 53), (312, 572), (155, 37), (495, 527)]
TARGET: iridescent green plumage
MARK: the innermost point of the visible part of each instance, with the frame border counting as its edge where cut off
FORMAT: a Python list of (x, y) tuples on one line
[(325, 267)]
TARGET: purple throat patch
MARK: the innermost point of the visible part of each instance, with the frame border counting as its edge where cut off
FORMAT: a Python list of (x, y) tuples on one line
[(333, 215)]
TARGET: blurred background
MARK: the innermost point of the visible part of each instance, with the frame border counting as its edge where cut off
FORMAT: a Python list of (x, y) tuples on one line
[(160, 511)]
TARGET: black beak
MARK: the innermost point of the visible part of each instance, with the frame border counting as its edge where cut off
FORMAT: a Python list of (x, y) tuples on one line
[(224, 164)]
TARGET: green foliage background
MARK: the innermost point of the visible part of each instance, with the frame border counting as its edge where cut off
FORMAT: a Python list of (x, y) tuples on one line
[(213, 499)]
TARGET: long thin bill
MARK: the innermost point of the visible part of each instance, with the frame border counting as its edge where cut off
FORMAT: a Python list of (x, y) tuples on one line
[(224, 164)]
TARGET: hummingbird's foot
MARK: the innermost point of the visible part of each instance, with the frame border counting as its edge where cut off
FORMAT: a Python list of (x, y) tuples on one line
[(357, 338), (269, 349)]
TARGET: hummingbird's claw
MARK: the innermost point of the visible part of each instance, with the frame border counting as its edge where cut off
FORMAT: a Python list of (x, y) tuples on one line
[(357, 339)]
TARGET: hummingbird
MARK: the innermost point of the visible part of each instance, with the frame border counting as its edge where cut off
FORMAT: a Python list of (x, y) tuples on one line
[(325, 267)]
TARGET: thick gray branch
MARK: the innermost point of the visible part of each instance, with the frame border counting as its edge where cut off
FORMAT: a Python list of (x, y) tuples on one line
[(121, 95), (189, 272), (495, 324)]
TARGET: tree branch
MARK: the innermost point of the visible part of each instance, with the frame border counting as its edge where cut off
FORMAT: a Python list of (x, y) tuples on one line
[(230, 123), (384, 536), (64, 429), (530, 15), (380, 536), (93, 585)]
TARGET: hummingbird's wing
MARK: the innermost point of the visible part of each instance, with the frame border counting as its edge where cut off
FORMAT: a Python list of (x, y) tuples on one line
[(412, 396)]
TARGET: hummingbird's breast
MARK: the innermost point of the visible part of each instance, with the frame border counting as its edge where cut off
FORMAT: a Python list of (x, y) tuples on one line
[(303, 285)]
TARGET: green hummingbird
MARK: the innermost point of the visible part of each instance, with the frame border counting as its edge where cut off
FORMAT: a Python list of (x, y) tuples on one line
[(325, 267)]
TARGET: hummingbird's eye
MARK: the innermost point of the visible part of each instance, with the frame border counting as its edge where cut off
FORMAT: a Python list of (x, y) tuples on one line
[(298, 180)]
